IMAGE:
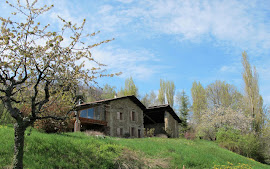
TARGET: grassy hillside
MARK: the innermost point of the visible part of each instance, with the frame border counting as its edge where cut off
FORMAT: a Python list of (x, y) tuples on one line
[(76, 150)]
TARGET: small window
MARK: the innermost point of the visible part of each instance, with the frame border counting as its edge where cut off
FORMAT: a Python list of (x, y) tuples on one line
[(119, 116), (119, 131), (132, 132), (132, 116)]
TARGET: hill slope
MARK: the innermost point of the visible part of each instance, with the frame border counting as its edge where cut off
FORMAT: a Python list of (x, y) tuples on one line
[(76, 150)]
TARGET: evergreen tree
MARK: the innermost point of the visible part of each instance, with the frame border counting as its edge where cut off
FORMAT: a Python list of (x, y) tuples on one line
[(183, 102)]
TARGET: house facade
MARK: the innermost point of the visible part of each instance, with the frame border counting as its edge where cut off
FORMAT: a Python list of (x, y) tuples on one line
[(126, 117), (118, 117)]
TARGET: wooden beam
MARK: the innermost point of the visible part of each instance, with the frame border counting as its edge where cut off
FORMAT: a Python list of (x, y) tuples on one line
[(150, 118)]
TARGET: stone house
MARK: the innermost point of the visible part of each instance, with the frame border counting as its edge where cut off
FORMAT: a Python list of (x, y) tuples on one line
[(126, 116), (117, 117)]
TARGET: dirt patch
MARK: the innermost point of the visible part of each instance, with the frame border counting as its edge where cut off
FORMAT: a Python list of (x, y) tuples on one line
[(94, 133), (133, 159)]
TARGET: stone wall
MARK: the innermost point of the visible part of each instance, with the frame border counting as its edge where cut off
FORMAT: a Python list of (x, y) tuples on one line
[(171, 125), (125, 106)]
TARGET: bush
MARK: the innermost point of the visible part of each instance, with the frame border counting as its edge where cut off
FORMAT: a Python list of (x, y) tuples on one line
[(53, 126), (244, 144), (190, 135), (229, 139), (149, 132), (126, 135)]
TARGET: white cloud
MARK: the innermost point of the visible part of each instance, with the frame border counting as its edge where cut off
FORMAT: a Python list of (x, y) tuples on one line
[(130, 63), (232, 22)]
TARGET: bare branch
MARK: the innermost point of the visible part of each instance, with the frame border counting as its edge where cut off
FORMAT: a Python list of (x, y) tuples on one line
[(47, 96)]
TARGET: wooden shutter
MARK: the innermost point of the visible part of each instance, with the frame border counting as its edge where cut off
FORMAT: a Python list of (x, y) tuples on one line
[(118, 115)]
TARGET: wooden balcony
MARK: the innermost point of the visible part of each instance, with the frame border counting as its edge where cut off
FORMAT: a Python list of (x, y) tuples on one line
[(92, 121)]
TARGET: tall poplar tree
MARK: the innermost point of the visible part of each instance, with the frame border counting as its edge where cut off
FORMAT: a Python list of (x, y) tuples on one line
[(199, 100), (161, 92), (170, 92), (129, 89), (253, 100)]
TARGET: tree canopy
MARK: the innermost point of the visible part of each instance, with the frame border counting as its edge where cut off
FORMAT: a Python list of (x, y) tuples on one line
[(39, 66)]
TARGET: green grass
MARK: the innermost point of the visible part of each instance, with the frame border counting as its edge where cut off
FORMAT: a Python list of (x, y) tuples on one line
[(59, 150), (76, 150)]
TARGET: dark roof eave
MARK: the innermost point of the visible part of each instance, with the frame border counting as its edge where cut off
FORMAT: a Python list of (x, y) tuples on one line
[(165, 107), (131, 97)]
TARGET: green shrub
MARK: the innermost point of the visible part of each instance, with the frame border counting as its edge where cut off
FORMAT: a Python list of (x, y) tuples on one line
[(248, 145), (229, 139)]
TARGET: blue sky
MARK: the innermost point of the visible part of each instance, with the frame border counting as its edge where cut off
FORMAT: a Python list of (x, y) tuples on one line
[(176, 40)]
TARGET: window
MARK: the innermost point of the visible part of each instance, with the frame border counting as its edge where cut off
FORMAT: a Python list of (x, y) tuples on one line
[(132, 116), (119, 116), (92, 113), (83, 113), (120, 131), (139, 133), (132, 131)]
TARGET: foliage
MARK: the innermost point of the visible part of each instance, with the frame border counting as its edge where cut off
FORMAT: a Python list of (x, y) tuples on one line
[(183, 103), (108, 92), (265, 140), (5, 117), (190, 135), (170, 92), (199, 100), (145, 100), (245, 144), (166, 92), (253, 100), (149, 132), (150, 99), (229, 138), (161, 92), (130, 88), (223, 94), (213, 119)]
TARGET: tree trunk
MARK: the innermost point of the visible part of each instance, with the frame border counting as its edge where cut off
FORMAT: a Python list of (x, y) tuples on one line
[(19, 131)]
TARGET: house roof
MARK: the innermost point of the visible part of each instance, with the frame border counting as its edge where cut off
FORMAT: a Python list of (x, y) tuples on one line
[(131, 97), (157, 112)]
